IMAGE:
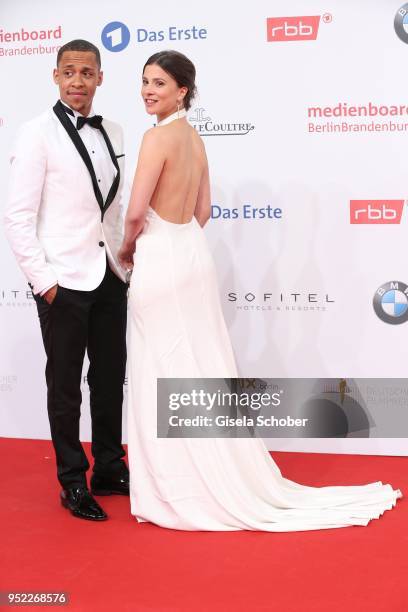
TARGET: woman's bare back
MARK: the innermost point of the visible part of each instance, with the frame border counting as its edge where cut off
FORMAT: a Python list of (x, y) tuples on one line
[(184, 174)]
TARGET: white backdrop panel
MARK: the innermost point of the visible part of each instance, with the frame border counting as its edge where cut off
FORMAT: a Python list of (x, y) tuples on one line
[(245, 81)]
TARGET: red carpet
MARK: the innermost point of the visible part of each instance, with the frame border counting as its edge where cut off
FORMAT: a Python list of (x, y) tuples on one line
[(122, 566)]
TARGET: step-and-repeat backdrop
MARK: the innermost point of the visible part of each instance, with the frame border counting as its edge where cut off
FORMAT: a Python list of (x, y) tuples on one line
[(303, 107)]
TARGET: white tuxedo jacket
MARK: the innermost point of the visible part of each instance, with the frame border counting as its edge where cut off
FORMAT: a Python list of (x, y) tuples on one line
[(56, 221)]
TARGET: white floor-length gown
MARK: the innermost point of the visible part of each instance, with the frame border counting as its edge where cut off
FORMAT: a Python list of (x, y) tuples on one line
[(177, 329)]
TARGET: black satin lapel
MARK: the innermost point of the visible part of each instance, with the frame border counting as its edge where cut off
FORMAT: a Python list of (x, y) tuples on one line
[(80, 147), (114, 187)]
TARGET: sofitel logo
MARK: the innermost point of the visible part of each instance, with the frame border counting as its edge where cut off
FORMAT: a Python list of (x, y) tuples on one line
[(205, 126), (16, 298), (281, 29), (280, 301), (376, 211)]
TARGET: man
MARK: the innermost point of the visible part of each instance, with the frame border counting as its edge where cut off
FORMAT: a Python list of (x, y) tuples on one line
[(64, 225)]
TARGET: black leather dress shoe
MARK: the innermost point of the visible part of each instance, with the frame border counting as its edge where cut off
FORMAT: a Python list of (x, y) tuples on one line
[(110, 485), (80, 503)]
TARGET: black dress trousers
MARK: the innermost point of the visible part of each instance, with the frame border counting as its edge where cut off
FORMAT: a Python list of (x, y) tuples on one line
[(75, 322)]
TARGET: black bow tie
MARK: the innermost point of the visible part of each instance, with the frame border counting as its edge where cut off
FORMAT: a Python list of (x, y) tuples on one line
[(95, 121)]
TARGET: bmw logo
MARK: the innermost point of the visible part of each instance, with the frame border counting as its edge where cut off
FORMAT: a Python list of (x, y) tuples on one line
[(391, 302), (401, 23)]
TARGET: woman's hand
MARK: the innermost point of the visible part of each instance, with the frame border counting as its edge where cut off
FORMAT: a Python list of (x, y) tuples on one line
[(125, 256)]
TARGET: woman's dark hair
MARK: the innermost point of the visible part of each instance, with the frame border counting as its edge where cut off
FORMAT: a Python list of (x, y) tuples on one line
[(180, 68)]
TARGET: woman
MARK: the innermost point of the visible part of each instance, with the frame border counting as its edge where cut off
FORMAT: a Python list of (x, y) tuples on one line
[(178, 330)]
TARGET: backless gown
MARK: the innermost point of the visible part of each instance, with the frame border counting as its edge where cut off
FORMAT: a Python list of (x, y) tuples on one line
[(177, 329)]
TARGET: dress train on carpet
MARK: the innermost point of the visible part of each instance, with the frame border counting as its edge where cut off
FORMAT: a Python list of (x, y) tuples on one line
[(177, 329)]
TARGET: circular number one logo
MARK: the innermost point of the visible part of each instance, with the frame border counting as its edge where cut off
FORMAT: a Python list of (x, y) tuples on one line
[(115, 36)]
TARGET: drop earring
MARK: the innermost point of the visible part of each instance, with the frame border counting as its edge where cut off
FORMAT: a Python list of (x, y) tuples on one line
[(178, 109)]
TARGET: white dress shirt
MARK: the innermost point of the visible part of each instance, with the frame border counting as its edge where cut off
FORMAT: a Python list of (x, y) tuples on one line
[(98, 152)]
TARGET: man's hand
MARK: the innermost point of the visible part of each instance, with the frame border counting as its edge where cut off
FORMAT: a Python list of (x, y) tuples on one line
[(49, 296)]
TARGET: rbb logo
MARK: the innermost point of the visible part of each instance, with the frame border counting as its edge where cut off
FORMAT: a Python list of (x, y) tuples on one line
[(375, 211), (115, 36), (280, 29)]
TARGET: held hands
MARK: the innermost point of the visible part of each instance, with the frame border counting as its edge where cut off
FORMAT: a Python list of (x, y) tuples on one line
[(125, 256), (49, 296)]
